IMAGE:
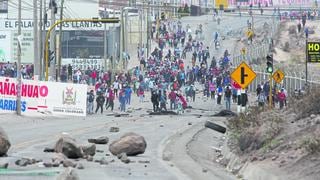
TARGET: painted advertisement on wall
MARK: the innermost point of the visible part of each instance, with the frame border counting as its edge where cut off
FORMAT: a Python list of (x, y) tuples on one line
[(39, 96), (5, 47), (9, 46), (83, 63), (271, 2)]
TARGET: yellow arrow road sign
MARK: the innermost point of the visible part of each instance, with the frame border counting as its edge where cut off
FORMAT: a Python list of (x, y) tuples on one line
[(243, 75)]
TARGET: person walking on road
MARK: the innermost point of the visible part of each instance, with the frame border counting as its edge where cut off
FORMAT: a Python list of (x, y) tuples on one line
[(155, 101), (172, 97), (227, 98), (122, 100), (141, 94), (111, 97), (219, 93), (100, 102), (163, 101), (90, 102)]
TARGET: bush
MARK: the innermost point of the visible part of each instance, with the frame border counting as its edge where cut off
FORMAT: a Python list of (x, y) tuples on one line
[(254, 130), (312, 144), (308, 105)]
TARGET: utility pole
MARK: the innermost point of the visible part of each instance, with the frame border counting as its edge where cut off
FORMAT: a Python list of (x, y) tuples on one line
[(19, 61), (140, 28), (148, 30), (40, 39), (60, 41), (125, 40), (36, 59), (105, 39), (121, 36), (52, 39)]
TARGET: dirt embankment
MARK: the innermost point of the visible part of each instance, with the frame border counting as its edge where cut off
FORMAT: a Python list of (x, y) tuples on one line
[(276, 144)]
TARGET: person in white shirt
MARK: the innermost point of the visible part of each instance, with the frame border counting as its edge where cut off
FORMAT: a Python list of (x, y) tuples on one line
[(116, 87)]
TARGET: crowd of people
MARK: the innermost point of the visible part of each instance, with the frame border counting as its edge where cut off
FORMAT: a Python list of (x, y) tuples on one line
[(167, 74)]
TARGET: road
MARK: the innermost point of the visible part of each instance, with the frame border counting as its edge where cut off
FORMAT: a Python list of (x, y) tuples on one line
[(173, 149)]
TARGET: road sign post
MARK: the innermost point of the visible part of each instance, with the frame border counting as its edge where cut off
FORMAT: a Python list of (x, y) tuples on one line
[(243, 75)]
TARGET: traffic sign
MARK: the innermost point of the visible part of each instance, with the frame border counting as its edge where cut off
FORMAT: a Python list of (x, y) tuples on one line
[(243, 75), (278, 76)]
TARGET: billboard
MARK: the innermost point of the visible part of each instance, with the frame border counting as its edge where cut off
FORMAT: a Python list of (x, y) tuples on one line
[(39, 96), (5, 48), (313, 52)]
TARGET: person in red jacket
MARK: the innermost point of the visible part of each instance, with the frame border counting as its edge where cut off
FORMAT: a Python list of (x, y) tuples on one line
[(281, 98), (110, 97), (93, 76), (172, 96)]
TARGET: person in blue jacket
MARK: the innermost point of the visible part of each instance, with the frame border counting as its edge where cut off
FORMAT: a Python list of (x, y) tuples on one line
[(128, 92)]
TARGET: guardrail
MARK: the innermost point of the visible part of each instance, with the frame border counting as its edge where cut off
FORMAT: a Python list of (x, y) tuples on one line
[(293, 79)]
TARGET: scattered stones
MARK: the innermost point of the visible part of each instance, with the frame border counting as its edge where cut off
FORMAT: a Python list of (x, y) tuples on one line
[(68, 174), (204, 170), (163, 113), (312, 116), (274, 158), (68, 147), (161, 125), (68, 163), (23, 162), (89, 149), (261, 158), (99, 140), (4, 165), (80, 166), (189, 124), (99, 151), (144, 162), (48, 164), (132, 144), (59, 158), (254, 158), (103, 161), (56, 163), (282, 161), (107, 154), (124, 158), (114, 129), (4, 143), (112, 161), (48, 150), (225, 113), (89, 158), (167, 156)]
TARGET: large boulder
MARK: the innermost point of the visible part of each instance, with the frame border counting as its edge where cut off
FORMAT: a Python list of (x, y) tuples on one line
[(68, 147), (131, 143), (4, 143)]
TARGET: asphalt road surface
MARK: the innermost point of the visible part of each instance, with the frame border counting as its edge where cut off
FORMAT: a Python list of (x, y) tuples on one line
[(174, 148)]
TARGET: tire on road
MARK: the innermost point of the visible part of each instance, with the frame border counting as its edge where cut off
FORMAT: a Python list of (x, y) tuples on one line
[(215, 127)]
